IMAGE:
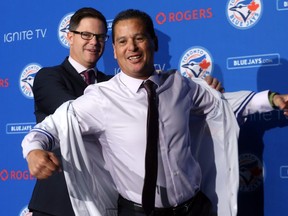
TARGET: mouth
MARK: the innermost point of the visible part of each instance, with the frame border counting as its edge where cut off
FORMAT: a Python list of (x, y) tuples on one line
[(134, 58), (93, 51)]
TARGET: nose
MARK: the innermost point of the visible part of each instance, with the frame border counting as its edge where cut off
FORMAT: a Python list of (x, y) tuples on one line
[(132, 45)]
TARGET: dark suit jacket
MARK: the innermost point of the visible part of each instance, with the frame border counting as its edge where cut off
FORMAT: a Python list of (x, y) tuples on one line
[(53, 86)]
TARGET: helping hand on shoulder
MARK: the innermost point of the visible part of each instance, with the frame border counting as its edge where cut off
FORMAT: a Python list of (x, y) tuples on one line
[(214, 83)]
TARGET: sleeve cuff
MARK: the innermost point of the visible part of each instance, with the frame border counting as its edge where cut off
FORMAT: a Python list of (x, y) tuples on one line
[(261, 101), (30, 147)]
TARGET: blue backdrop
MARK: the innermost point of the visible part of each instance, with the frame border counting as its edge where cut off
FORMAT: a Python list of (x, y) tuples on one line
[(242, 43)]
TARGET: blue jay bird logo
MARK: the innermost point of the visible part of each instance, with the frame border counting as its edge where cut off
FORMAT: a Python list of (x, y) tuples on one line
[(63, 29), (196, 62), (109, 24), (251, 172), (244, 14), (25, 212), (27, 79)]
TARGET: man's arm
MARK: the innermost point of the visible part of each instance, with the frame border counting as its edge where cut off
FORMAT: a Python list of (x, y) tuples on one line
[(36, 146), (245, 103), (43, 138), (267, 101)]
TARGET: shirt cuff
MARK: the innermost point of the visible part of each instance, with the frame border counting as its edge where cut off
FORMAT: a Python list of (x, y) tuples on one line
[(261, 102), (30, 147)]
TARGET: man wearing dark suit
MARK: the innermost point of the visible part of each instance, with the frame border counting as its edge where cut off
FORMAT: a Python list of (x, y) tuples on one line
[(55, 85)]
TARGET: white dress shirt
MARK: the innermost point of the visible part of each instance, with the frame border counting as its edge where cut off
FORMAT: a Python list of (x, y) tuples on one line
[(116, 111)]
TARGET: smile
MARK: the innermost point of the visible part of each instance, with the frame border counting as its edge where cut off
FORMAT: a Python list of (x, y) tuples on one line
[(134, 57)]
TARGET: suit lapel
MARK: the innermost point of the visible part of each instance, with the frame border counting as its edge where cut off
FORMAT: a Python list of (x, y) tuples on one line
[(75, 76), (101, 77)]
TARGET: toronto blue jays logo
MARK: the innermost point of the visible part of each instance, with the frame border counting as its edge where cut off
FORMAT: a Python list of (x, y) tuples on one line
[(63, 29), (196, 62), (25, 212), (27, 79), (244, 14), (109, 24), (251, 172)]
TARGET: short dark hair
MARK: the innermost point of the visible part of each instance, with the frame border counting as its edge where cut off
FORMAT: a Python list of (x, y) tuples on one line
[(133, 13), (86, 12)]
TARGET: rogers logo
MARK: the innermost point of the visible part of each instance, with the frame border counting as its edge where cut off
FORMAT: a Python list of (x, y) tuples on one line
[(187, 15), (15, 175), (4, 83), (4, 175)]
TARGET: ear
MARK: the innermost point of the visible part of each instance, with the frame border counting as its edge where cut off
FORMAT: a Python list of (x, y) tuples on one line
[(155, 44), (115, 56), (69, 37)]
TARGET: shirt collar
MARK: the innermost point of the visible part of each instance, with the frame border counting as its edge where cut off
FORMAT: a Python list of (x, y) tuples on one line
[(78, 67), (134, 84)]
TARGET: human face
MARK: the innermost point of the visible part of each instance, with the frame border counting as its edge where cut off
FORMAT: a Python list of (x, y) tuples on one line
[(134, 48), (87, 52)]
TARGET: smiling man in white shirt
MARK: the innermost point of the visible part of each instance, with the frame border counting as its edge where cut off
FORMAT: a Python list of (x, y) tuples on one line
[(115, 112)]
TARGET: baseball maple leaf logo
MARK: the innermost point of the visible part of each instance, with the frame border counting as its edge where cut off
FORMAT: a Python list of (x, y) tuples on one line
[(253, 6), (204, 64)]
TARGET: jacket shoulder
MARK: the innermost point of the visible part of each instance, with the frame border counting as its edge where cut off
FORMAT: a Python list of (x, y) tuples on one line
[(101, 76)]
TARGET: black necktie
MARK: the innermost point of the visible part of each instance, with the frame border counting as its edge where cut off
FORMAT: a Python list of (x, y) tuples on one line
[(149, 187), (89, 76)]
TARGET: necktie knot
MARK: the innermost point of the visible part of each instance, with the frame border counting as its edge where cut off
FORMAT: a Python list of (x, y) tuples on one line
[(89, 76), (150, 88)]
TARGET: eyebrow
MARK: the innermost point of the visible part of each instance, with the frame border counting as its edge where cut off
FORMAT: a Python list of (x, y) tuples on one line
[(137, 34)]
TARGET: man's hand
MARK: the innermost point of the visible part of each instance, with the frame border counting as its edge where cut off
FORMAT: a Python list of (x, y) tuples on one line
[(214, 83), (281, 101), (42, 163)]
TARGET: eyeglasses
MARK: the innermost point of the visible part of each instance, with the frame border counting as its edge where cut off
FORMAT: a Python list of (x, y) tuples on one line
[(89, 36)]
